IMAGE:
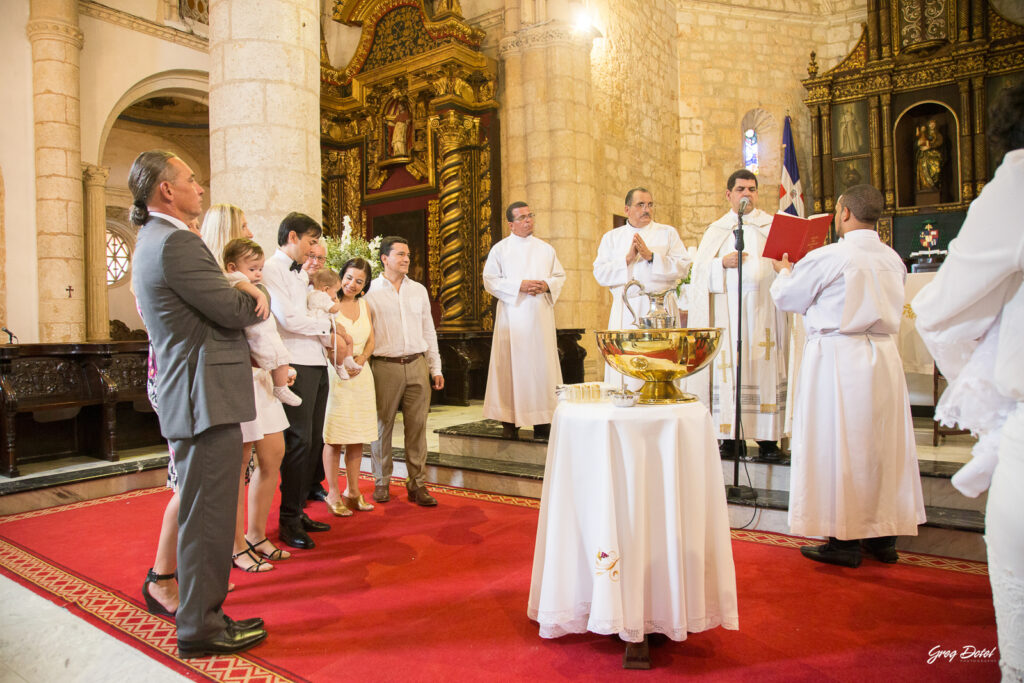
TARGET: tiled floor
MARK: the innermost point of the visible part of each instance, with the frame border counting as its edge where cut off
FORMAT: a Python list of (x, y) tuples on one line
[(32, 628)]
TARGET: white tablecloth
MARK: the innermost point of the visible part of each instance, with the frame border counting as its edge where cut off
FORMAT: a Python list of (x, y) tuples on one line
[(914, 353), (633, 536)]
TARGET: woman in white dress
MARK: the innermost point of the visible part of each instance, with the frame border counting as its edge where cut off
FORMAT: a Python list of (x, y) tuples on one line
[(971, 316), (351, 418), (223, 223)]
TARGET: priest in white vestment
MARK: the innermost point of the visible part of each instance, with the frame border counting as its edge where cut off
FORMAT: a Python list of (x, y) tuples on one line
[(524, 275), (971, 316), (651, 253), (855, 476), (714, 303)]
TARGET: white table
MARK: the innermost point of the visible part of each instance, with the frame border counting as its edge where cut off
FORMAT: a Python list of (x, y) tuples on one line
[(633, 536)]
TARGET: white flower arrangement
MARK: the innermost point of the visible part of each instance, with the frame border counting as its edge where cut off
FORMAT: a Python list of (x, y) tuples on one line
[(341, 250)]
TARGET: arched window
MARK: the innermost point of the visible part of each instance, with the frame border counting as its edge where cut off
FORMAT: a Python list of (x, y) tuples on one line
[(750, 150), (119, 253)]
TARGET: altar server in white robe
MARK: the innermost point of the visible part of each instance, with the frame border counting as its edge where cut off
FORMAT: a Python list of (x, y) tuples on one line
[(524, 275), (977, 295), (855, 477), (651, 253), (714, 303)]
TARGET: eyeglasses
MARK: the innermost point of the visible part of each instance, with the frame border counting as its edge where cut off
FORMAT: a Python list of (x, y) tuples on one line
[(644, 205), (522, 217), (317, 258)]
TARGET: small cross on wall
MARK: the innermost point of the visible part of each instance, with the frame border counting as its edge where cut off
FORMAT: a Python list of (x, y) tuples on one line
[(69, 289)]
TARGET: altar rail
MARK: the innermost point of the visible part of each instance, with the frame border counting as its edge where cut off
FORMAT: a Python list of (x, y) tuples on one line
[(60, 400)]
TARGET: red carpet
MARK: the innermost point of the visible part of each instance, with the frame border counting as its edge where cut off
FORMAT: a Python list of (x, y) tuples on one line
[(406, 593)]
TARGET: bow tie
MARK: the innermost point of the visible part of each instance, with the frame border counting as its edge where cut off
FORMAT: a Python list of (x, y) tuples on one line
[(295, 266)]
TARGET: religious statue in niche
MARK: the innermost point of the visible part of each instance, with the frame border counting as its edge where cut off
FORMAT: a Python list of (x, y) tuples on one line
[(930, 159), (398, 124), (851, 137)]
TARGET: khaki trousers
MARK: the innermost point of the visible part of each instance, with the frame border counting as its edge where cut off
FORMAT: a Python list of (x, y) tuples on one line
[(407, 387)]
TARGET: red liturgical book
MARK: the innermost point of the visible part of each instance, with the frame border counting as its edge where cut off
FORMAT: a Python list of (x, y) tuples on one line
[(796, 236)]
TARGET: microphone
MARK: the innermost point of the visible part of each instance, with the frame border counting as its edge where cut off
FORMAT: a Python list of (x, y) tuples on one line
[(744, 205), (10, 335)]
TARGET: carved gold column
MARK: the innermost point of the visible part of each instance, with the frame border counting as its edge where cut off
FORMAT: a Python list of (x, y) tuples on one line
[(97, 316), (966, 142), (875, 133), (455, 131), (980, 144), (874, 29), (819, 188), (829, 198), (888, 161), (56, 50), (885, 27)]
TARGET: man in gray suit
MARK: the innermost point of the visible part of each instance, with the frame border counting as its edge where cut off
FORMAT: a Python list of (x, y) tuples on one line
[(195, 320)]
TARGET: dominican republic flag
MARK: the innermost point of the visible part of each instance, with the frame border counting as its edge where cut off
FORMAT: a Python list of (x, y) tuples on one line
[(791, 193)]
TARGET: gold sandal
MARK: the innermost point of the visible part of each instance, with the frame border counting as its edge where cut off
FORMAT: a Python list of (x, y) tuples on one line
[(357, 503), (338, 509)]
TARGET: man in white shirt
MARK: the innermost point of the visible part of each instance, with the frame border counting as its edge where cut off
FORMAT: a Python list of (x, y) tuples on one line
[(855, 477), (524, 274), (714, 303), (404, 360), (304, 336), (641, 250), (316, 260)]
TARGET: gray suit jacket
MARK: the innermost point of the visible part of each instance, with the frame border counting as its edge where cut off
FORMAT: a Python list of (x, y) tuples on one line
[(195, 320)]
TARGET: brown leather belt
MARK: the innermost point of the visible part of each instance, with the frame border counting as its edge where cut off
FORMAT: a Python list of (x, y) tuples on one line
[(401, 360)]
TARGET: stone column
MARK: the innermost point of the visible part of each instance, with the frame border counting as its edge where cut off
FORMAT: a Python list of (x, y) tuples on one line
[(265, 110), (56, 47), (97, 315), (549, 153)]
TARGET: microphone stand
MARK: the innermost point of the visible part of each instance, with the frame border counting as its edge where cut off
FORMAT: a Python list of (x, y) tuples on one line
[(736, 491)]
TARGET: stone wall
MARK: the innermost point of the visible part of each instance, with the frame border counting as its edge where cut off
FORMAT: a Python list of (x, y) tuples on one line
[(747, 61)]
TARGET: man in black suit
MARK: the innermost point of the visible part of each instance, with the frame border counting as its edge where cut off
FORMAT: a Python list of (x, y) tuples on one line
[(195, 320)]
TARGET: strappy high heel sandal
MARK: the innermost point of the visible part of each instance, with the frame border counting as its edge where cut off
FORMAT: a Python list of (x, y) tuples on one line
[(275, 554), (260, 565), (153, 605)]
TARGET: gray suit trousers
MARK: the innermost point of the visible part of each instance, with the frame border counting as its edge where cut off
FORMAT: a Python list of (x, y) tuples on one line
[(208, 470)]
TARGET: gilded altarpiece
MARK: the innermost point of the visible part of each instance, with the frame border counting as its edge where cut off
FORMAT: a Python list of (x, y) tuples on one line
[(409, 128), (907, 111)]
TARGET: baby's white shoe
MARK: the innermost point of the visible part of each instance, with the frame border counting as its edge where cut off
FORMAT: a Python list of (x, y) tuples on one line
[(287, 396), (351, 364), (342, 372)]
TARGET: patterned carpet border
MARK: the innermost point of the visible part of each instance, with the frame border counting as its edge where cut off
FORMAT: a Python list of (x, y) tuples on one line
[(132, 622)]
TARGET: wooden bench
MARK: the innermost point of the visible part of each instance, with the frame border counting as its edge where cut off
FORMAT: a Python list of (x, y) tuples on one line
[(60, 400)]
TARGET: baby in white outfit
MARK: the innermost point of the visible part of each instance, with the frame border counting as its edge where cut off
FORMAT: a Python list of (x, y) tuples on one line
[(243, 265), (322, 303)]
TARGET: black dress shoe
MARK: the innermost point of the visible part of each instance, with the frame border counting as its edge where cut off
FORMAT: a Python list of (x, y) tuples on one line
[(229, 641), (769, 450), (509, 431), (296, 538), (381, 494), (842, 553), (313, 525), (421, 496), (882, 548), (243, 624), (317, 494), (542, 431)]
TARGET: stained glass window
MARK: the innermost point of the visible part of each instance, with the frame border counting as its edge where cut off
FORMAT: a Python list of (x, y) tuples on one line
[(750, 150), (118, 258)]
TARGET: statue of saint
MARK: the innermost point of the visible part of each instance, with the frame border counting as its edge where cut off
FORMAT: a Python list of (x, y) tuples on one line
[(850, 137), (929, 144)]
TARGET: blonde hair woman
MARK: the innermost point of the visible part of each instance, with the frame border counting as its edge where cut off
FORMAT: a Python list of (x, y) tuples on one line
[(223, 223)]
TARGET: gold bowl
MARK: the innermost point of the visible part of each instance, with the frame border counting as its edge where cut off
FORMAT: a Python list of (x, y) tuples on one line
[(660, 357)]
